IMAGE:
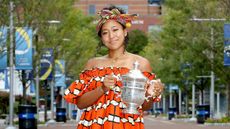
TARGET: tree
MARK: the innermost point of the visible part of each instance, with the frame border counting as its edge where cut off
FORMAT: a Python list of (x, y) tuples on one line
[(182, 41), (137, 41), (74, 26)]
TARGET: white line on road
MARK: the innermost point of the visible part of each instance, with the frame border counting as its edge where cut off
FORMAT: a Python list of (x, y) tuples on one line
[(159, 120)]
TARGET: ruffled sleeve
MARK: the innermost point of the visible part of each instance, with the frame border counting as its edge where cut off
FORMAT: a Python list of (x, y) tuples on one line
[(77, 88), (152, 76)]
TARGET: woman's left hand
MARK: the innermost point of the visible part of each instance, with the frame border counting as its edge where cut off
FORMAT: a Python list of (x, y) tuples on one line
[(154, 88)]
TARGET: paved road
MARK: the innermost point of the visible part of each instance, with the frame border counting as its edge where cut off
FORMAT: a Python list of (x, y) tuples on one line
[(161, 123), (150, 123)]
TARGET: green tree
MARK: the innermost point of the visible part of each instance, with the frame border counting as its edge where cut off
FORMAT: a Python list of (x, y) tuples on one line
[(183, 41), (72, 39), (137, 41)]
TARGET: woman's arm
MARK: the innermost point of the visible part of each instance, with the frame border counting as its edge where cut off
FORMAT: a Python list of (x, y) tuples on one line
[(145, 66), (147, 104), (151, 89), (91, 97), (154, 90)]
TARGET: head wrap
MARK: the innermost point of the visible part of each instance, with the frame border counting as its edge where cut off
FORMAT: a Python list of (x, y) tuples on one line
[(114, 14)]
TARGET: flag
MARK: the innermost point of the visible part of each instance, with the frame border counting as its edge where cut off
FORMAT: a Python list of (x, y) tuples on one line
[(23, 50), (3, 48), (60, 80), (46, 64), (227, 45), (3, 79)]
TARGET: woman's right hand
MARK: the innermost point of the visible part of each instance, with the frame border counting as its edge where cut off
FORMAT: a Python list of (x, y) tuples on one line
[(109, 82)]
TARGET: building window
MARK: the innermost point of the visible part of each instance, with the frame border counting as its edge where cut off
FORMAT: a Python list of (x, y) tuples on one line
[(154, 28), (124, 7), (92, 10), (154, 2)]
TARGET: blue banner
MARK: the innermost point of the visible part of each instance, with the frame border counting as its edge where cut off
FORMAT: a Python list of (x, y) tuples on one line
[(227, 45), (23, 50), (60, 80), (46, 64), (3, 48), (3, 79), (32, 87), (29, 74)]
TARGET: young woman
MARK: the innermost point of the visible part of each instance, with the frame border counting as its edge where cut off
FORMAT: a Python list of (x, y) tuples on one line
[(99, 85)]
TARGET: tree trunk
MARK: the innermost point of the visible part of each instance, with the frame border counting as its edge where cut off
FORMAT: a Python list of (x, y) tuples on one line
[(202, 96), (24, 101), (186, 104), (46, 98)]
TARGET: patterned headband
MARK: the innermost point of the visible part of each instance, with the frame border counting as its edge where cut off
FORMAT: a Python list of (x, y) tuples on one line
[(114, 14)]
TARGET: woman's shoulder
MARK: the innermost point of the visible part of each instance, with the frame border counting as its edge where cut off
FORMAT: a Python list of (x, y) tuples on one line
[(144, 62), (91, 63)]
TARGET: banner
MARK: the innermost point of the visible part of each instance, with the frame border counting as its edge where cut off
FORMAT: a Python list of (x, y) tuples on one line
[(32, 87), (46, 64), (3, 79), (23, 50), (173, 87), (227, 45), (3, 48), (60, 80), (28, 74)]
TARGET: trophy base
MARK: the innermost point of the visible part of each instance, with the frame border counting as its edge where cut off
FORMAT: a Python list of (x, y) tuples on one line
[(131, 109)]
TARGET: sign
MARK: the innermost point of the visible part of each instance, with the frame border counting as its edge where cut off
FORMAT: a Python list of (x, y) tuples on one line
[(3, 79), (173, 87), (46, 64), (3, 48), (23, 50), (60, 79), (227, 45)]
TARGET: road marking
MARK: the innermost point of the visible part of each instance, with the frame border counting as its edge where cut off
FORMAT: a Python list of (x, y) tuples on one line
[(159, 120)]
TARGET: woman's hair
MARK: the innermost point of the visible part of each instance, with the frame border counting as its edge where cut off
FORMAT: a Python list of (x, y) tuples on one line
[(121, 11)]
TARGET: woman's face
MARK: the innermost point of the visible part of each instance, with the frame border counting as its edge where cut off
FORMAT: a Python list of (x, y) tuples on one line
[(113, 35)]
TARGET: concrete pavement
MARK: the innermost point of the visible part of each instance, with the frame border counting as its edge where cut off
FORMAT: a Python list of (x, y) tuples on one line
[(162, 123)]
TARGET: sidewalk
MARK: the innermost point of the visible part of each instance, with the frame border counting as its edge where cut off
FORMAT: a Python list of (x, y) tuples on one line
[(58, 125), (151, 122)]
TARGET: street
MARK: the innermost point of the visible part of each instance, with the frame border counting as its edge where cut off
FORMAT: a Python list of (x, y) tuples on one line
[(163, 123), (150, 123)]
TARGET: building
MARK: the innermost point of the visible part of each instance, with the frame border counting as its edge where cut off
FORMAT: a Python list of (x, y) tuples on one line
[(149, 11)]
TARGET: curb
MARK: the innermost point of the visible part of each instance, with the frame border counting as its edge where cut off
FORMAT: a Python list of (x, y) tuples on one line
[(217, 124)]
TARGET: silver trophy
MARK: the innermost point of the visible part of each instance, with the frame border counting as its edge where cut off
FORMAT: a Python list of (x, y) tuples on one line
[(133, 91)]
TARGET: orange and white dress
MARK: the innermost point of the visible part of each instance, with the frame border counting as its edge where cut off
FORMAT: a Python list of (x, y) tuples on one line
[(106, 112)]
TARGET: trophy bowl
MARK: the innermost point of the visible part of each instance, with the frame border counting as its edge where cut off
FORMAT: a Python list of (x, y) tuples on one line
[(133, 90)]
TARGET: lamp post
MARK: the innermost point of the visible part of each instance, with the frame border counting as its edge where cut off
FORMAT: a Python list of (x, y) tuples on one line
[(212, 57), (11, 99), (193, 103), (37, 79), (51, 121)]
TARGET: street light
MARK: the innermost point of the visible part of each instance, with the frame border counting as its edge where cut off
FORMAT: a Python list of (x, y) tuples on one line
[(51, 121), (53, 22), (11, 103), (212, 57)]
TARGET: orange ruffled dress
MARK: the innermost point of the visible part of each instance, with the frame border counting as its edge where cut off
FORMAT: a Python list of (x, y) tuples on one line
[(106, 112)]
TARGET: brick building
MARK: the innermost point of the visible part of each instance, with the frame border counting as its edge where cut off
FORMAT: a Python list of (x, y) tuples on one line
[(149, 11)]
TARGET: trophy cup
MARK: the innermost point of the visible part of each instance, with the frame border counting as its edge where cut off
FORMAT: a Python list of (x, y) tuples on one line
[(133, 90)]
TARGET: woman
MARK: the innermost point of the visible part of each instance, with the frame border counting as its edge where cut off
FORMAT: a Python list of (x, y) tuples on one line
[(99, 87)]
